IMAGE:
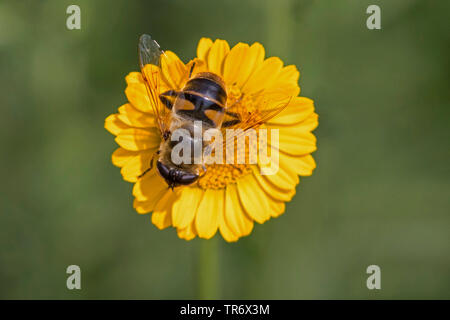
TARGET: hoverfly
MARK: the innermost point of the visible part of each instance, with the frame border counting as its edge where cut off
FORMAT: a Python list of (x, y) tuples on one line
[(203, 99)]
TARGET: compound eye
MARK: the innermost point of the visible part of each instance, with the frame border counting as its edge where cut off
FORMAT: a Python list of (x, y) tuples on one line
[(163, 170), (188, 178)]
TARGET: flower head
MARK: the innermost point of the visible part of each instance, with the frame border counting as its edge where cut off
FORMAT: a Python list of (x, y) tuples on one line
[(226, 198)]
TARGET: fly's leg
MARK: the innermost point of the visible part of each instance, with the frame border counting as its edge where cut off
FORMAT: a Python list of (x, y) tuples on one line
[(151, 165)]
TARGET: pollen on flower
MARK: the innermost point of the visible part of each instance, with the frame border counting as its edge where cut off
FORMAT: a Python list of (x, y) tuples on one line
[(240, 102), (233, 93), (218, 176)]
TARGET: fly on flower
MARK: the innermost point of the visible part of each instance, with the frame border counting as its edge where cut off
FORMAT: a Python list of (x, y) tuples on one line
[(201, 104), (221, 89)]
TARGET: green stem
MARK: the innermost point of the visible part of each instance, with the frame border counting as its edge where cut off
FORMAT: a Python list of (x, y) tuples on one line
[(209, 269)]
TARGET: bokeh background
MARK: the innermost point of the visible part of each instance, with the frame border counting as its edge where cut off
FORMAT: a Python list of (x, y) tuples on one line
[(379, 195)]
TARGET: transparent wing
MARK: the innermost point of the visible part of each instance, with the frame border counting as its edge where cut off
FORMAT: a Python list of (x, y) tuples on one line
[(150, 56), (254, 110)]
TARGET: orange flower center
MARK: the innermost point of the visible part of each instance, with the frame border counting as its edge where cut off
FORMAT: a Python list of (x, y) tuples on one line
[(218, 176)]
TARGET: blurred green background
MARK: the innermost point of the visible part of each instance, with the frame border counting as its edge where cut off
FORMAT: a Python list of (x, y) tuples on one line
[(380, 193)]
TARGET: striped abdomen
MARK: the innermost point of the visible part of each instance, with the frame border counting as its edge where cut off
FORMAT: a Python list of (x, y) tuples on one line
[(203, 98)]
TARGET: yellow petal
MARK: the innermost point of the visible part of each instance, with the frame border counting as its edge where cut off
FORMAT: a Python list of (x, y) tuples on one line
[(297, 111), (134, 77), (289, 74), (121, 156), (287, 81), (253, 198), (235, 62), (150, 187), (187, 233), (114, 125), (272, 190), (277, 208), (298, 145), (143, 207), (203, 48), (296, 140), (209, 209), (311, 122), (185, 207), (303, 165), (174, 71), (162, 216), (226, 232), (224, 229), (235, 217), (134, 118), (252, 61), (137, 165), (134, 139), (286, 177), (136, 92), (264, 76), (216, 56)]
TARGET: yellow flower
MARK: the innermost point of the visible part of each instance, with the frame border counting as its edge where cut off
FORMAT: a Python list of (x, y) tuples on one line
[(224, 199)]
